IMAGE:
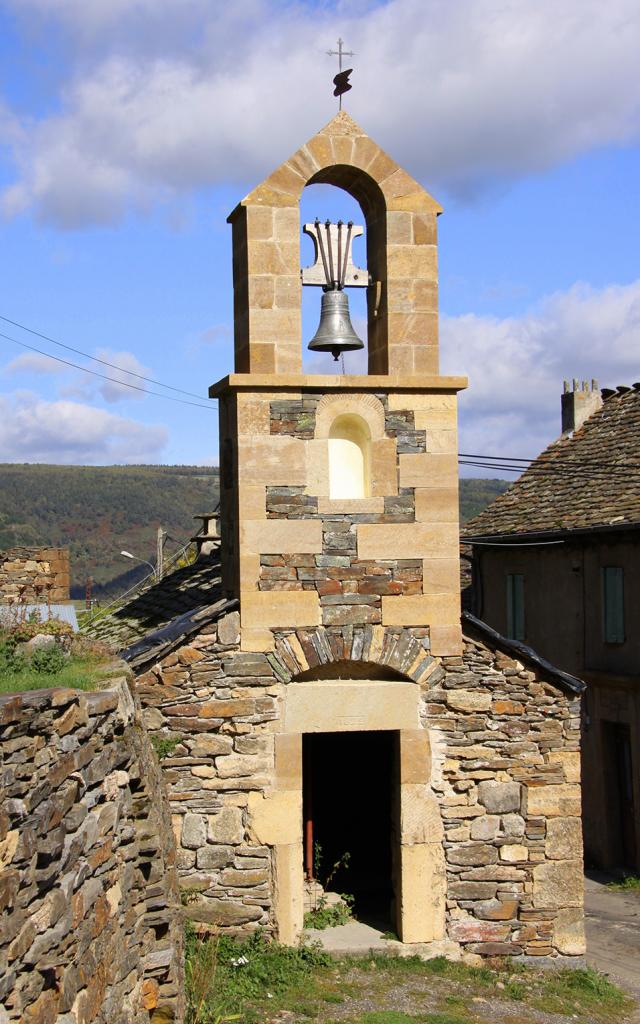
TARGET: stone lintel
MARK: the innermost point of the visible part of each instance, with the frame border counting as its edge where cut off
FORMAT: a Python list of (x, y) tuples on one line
[(322, 382)]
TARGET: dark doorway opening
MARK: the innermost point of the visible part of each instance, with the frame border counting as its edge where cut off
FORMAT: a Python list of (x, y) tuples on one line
[(348, 807), (618, 777)]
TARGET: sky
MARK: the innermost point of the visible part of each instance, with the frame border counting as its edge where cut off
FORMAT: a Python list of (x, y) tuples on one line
[(129, 129)]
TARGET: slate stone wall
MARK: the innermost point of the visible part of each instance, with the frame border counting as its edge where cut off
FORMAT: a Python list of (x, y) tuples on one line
[(91, 920), (37, 575), (509, 787), (504, 771), (349, 588)]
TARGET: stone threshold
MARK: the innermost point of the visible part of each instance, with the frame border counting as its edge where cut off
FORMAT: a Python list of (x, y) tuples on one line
[(355, 938)]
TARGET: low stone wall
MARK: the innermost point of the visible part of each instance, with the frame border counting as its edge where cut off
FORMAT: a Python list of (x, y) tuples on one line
[(34, 575), (91, 919)]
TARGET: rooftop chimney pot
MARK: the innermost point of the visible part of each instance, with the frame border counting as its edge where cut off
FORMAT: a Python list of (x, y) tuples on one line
[(579, 404)]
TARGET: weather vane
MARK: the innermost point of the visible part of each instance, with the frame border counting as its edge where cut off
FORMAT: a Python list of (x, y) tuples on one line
[(341, 81)]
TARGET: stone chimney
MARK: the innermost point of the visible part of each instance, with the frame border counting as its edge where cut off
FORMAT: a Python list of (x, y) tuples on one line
[(207, 538), (578, 403)]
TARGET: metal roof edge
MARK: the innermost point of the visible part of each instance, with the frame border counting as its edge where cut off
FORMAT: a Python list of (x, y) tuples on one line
[(543, 535)]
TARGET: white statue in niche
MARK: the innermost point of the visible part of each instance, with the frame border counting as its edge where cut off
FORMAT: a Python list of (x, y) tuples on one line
[(349, 458)]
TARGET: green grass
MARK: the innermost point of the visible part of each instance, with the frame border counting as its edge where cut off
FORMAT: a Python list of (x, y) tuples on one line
[(253, 981), (273, 977), (585, 990), (77, 674), (631, 883)]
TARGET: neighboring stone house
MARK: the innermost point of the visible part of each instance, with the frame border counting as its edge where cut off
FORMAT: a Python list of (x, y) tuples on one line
[(557, 564), (312, 675), (31, 575)]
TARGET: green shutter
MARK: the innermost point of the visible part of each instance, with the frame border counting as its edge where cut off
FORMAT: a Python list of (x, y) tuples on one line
[(613, 604), (515, 606)]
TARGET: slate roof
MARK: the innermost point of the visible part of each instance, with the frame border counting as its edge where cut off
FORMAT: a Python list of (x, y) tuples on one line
[(191, 589), (585, 480)]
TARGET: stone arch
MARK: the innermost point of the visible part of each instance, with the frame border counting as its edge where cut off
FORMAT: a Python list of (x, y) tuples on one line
[(368, 407), (401, 254), (296, 652), (382, 455)]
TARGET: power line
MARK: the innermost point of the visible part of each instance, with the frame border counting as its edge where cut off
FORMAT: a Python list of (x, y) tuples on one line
[(104, 362), (501, 458), (564, 466), (502, 463), (103, 376)]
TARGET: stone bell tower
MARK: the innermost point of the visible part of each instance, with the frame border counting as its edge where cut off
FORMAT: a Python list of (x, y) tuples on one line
[(339, 494)]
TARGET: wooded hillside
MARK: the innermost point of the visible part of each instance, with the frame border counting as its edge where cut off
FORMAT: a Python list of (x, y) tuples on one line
[(100, 510)]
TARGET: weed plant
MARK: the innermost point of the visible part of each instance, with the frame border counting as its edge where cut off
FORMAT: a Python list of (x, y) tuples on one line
[(244, 974), (630, 883), (164, 746), (326, 915)]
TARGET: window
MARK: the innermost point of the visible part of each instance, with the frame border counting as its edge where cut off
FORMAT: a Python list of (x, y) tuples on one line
[(613, 604), (349, 451), (515, 606)]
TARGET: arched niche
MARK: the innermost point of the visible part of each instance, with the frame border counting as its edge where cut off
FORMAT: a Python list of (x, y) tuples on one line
[(349, 458)]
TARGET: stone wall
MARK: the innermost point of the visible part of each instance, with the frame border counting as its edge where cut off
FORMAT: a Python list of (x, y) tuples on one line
[(91, 921), (503, 777), (509, 788), (34, 575), (350, 588), (297, 557)]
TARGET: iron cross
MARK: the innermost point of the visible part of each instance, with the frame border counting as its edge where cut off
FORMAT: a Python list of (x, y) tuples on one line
[(341, 81)]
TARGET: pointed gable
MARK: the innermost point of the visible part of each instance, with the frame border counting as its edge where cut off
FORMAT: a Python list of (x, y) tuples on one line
[(327, 157), (401, 256)]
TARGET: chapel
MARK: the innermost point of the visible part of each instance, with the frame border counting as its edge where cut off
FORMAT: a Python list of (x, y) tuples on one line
[(317, 688)]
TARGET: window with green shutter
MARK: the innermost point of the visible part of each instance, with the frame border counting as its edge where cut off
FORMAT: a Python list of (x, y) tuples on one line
[(515, 606), (613, 604)]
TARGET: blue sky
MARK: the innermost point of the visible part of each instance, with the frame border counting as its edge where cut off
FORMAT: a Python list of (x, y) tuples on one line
[(130, 128)]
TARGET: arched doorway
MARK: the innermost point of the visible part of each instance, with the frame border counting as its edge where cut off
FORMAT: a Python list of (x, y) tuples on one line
[(357, 708)]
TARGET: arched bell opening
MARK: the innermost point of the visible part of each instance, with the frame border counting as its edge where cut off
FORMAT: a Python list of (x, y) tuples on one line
[(367, 194), (349, 458), (334, 199)]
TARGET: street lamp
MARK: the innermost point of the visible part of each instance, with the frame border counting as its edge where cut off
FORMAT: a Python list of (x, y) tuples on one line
[(127, 554)]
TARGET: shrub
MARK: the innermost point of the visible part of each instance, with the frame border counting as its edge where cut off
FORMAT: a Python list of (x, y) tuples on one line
[(48, 660)]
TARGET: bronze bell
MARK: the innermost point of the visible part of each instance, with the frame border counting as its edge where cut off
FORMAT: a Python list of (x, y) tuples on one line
[(335, 332)]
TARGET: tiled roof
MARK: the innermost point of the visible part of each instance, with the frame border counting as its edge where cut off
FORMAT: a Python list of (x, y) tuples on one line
[(590, 478), (190, 589)]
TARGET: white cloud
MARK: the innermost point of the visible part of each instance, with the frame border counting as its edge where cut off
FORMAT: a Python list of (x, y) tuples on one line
[(131, 386), (167, 97), (123, 385), (516, 366), (33, 362), (34, 430)]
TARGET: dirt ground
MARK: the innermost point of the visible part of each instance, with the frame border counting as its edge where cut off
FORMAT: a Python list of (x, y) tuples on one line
[(613, 934)]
